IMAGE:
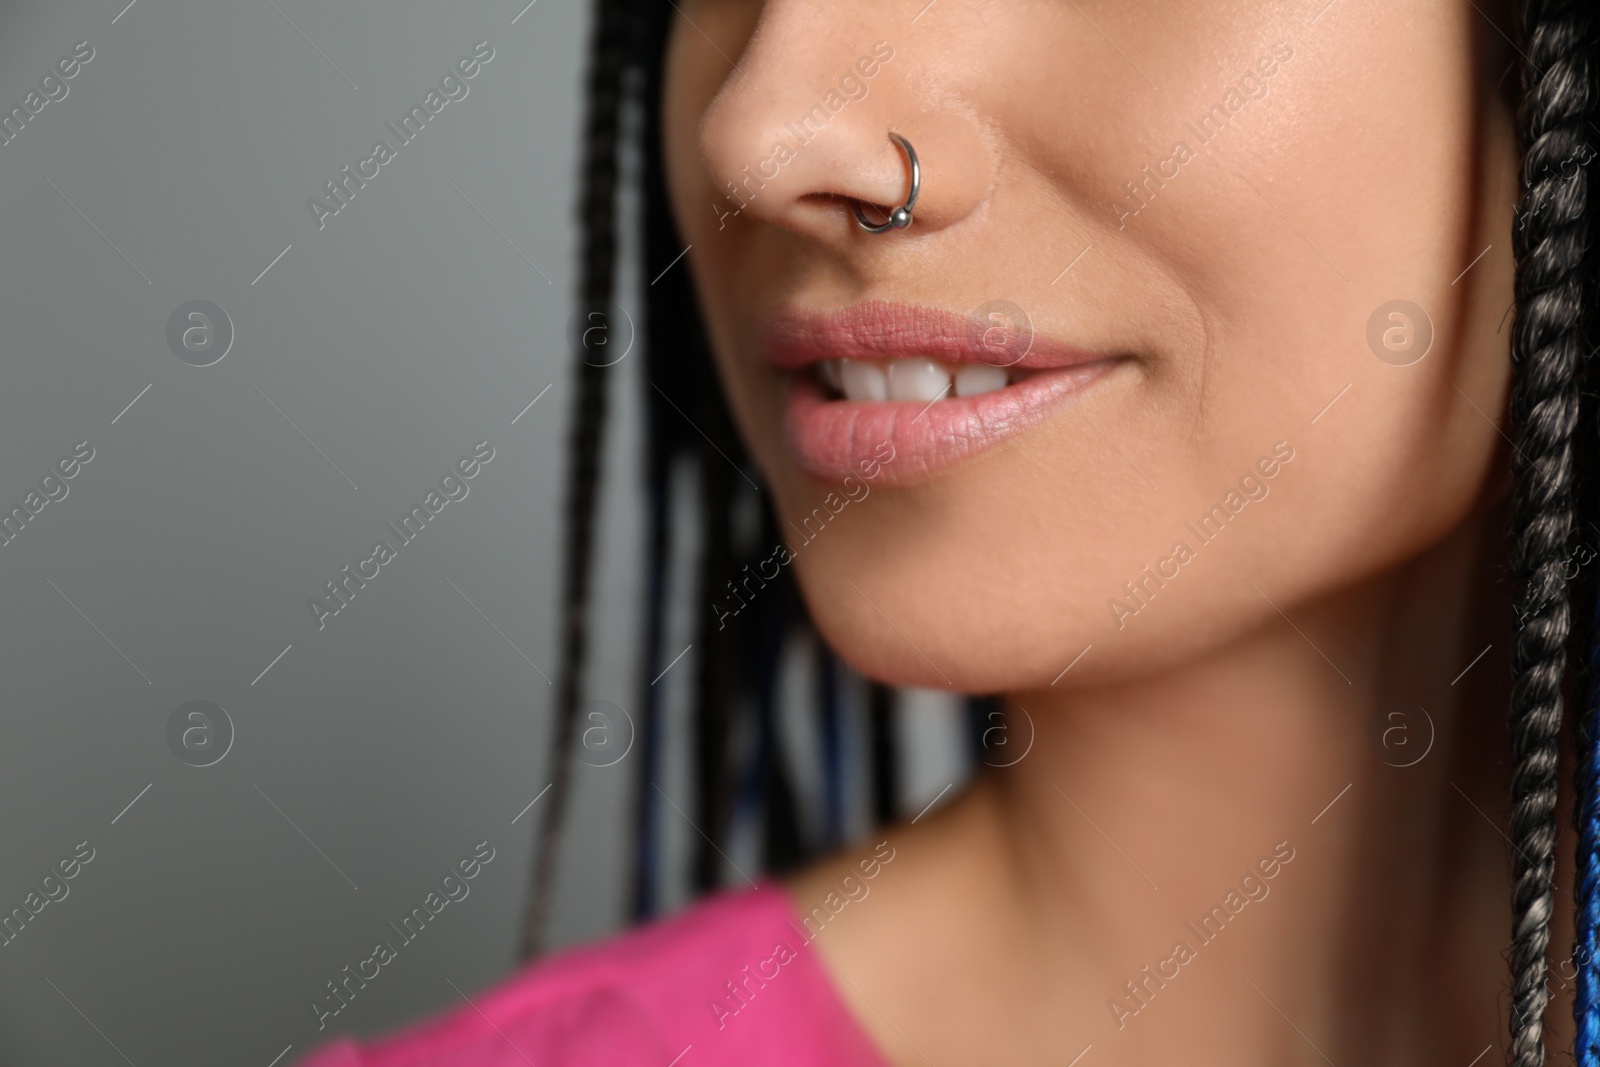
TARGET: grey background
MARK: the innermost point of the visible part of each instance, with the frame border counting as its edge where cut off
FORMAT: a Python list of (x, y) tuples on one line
[(371, 356)]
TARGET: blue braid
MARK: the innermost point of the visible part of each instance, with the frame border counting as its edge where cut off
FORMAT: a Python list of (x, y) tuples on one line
[(1586, 999)]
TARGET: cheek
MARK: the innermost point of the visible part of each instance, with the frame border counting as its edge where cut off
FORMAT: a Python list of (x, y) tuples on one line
[(1247, 282), (1260, 299)]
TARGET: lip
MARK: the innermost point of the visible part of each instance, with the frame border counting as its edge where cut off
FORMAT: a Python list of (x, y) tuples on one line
[(831, 437)]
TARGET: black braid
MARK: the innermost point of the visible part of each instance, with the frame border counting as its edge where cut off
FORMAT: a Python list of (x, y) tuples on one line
[(670, 332), (658, 553), (718, 677), (609, 58), (830, 734), (885, 745), (1549, 242), (784, 843)]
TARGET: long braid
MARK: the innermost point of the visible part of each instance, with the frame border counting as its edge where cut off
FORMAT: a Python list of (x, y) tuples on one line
[(716, 678), (1586, 689), (884, 744), (1586, 699), (609, 57), (1586, 997), (1546, 345), (784, 845), (670, 332), (830, 734), (658, 553), (1586, 772)]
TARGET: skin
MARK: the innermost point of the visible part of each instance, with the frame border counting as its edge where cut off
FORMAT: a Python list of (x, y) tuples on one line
[(1215, 723)]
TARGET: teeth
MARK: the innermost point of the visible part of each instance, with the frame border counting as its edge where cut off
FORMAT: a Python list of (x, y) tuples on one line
[(863, 381), (976, 378), (919, 380), (829, 368)]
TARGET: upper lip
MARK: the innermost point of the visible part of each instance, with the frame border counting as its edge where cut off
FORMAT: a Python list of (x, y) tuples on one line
[(794, 338)]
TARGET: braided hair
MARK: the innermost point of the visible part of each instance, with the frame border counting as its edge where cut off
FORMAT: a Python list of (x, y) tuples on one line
[(596, 283), (1552, 280), (690, 440)]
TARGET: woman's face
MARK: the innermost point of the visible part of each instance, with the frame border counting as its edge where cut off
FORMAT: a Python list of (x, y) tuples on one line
[(1158, 262)]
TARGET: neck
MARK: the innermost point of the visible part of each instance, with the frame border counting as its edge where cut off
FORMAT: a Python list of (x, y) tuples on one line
[(1290, 850), (1284, 846)]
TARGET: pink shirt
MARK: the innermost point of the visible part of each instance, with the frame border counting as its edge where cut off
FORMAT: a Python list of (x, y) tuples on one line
[(730, 981)]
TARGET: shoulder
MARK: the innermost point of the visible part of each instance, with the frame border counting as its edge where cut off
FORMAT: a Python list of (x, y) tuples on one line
[(733, 978)]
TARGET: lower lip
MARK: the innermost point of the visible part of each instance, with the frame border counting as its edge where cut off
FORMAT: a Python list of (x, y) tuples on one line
[(831, 437)]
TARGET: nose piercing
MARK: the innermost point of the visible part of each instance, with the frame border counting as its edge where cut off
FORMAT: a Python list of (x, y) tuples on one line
[(900, 217)]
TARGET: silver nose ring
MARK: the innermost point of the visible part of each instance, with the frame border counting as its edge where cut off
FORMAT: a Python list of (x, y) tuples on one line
[(900, 217)]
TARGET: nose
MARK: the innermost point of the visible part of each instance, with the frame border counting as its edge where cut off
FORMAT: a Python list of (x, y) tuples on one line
[(800, 131)]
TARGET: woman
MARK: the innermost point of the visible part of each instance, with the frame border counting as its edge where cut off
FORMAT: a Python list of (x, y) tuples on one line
[(1190, 400)]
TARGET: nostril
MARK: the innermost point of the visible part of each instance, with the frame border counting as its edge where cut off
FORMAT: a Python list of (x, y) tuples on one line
[(877, 218), (872, 213), (833, 203)]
